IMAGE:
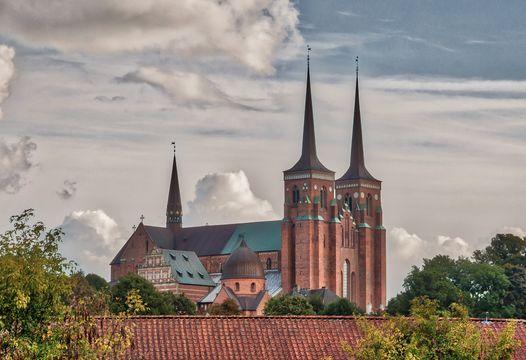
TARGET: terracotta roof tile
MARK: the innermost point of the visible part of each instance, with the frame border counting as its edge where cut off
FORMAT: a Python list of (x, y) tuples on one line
[(257, 337)]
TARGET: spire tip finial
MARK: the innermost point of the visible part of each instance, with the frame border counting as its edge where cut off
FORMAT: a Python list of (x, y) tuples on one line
[(309, 49), (173, 143), (357, 66)]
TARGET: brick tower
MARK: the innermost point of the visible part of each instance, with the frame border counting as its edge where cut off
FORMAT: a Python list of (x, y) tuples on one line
[(308, 244), (360, 192)]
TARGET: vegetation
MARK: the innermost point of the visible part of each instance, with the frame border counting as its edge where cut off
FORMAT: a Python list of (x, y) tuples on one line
[(47, 310), (431, 333), (157, 303), (342, 306), (227, 307), (288, 305), (492, 284)]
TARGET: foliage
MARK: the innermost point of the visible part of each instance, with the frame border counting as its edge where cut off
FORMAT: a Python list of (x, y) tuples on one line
[(503, 249), (156, 302), (481, 287), (317, 303), (97, 282), (46, 310), (288, 305), (227, 307), (342, 306), (431, 333)]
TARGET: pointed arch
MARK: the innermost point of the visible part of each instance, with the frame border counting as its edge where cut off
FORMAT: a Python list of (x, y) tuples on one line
[(345, 279), (323, 197), (295, 194), (369, 204), (353, 287)]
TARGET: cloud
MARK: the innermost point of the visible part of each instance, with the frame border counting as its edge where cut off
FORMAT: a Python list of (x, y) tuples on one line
[(92, 238), (517, 231), (15, 160), (227, 197), (108, 99), (68, 190), (407, 245), (7, 70), (184, 88), (250, 31)]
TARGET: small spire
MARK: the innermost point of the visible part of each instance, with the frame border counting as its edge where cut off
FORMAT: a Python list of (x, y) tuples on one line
[(142, 218), (309, 49), (356, 67), (174, 212)]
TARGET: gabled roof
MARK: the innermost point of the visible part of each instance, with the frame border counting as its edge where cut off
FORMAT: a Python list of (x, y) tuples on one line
[(187, 268), (258, 337)]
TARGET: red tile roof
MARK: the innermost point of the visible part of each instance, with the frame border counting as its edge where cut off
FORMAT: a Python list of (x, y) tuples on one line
[(256, 337)]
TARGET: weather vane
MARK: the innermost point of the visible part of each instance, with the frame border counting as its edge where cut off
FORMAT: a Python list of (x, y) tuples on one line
[(309, 49), (173, 143), (356, 66)]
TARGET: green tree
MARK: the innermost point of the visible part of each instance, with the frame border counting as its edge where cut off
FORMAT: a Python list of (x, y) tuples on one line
[(97, 282), (227, 307), (181, 304), (45, 312), (157, 303), (342, 306), (288, 305), (432, 333), (317, 303), (503, 249)]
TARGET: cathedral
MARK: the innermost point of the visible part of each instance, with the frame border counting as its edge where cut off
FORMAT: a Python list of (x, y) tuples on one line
[(331, 237)]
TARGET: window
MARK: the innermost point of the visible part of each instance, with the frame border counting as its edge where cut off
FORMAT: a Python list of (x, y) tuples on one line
[(269, 264), (323, 197), (295, 195), (253, 287), (347, 201), (353, 287), (369, 205), (237, 286), (345, 279)]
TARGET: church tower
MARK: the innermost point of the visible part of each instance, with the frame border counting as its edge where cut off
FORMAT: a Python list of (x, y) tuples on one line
[(174, 210), (307, 248), (360, 192)]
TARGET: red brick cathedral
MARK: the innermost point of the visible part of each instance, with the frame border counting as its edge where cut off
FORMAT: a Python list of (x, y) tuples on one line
[(330, 240)]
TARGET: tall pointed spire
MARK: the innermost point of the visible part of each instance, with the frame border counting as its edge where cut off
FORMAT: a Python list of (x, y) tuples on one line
[(357, 169), (174, 210), (309, 159)]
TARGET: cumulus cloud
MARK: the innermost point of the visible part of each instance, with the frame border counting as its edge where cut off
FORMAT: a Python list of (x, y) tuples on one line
[(184, 88), (517, 231), (7, 70), (15, 161), (249, 31), (109, 99), (68, 189), (92, 238), (227, 197), (406, 244)]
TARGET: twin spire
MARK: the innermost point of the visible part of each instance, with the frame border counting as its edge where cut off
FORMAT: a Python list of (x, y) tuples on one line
[(309, 159), (174, 210)]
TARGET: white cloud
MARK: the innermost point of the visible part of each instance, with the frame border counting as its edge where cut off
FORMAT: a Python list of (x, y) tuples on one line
[(249, 31), (453, 246), (15, 160), (91, 239), (405, 245), (517, 231), (227, 197), (184, 88), (68, 189), (7, 70)]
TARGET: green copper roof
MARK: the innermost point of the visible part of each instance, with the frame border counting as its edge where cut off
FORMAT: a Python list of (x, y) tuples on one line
[(379, 227), (379, 209), (309, 217), (187, 268), (259, 236), (335, 220), (364, 225)]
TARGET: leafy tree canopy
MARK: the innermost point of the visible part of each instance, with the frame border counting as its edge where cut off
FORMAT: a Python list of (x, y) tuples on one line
[(503, 249), (288, 305), (342, 306), (227, 307), (97, 282)]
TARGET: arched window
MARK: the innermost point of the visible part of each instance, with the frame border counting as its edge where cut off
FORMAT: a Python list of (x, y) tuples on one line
[(253, 287), (353, 287), (345, 279), (269, 264), (295, 195), (323, 197), (369, 205), (237, 286), (348, 201), (347, 227)]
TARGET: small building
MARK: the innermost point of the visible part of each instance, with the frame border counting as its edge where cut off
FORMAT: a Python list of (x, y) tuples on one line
[(176, 271), (242, 280)]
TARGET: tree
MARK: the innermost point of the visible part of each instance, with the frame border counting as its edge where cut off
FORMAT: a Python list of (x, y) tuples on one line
[(288, 305), (342, 306), (503, 249), (432, 333), (227, 307), (156, 302), (479, 286), (317, 303), (45, 312), (97, 282)]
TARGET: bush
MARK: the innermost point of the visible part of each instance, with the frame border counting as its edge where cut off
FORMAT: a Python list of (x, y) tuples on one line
[(342, 306), (227, 307), (288, 305)]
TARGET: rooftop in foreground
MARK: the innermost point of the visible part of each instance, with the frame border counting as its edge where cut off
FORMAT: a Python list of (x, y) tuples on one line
[(259, 337)]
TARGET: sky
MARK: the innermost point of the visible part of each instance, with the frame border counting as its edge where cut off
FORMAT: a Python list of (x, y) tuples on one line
[(92, 95)]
